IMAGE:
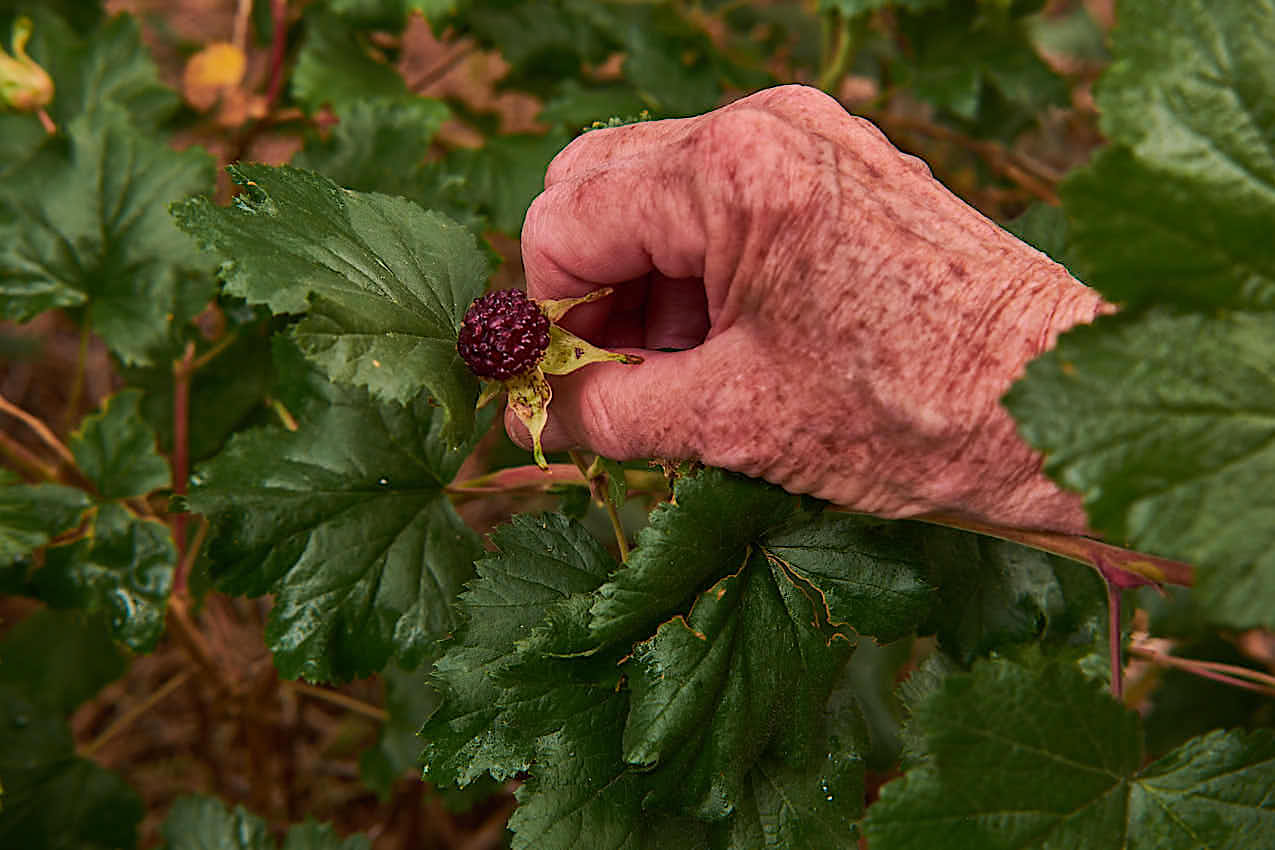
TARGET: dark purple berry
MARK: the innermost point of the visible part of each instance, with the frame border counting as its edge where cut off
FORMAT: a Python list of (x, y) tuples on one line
[(504, 333)]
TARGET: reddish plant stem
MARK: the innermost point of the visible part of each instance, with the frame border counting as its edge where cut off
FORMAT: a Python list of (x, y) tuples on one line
[(182, 371), (1113, 641), (1202, 668), (1085, 550), (278, 47)]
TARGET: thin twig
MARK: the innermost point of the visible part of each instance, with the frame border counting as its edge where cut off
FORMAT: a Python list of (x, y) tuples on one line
[(195, 644), (127, 718), (337, 698), (42, 431), (843, 54), (27, 459), (243, 14), (1036, 177), (1208, 669)]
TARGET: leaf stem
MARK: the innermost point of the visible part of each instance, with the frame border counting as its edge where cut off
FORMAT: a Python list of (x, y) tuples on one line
[(127, 718), (182, 370), (42, 431), (195, 644), (218, 347), (1084, 550), (836, 65), (1114, 643), (1230, 674), (602, 495)]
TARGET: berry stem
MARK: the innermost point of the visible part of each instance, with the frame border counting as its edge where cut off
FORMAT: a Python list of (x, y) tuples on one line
[(602, 495)]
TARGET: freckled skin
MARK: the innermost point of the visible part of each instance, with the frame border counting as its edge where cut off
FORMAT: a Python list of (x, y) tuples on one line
[(857, 323)]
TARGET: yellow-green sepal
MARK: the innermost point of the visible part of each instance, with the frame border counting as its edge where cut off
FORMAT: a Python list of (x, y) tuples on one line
[(529, 397), (567, 352)]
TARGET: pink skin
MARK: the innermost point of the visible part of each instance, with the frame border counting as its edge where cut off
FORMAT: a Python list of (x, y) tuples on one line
[(849, 324)]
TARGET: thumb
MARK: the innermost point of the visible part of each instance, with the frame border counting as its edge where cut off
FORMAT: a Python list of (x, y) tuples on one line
[(662, 408)]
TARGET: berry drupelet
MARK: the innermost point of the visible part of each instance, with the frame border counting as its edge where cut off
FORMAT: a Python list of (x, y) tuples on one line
[(503, 334)]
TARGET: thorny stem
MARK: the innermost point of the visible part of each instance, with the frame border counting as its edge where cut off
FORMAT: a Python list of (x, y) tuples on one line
[(1229, 674), (602, 494), (182, 370), (127, 718), (42, 431)]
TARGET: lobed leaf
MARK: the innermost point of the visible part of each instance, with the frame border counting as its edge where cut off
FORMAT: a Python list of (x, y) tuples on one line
[(1169, 436), (345, 521), (123, 569), (386, 283), (32, 514), (1029, 756), (90, 229), (115, 449)]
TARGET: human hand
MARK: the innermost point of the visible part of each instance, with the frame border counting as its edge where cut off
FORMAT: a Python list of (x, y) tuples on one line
[(848, 324)]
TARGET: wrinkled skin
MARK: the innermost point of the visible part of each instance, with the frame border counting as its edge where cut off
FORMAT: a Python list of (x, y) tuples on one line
[(849, 324)]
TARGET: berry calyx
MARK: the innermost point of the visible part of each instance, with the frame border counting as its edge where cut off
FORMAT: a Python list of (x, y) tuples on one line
[(504, 333)]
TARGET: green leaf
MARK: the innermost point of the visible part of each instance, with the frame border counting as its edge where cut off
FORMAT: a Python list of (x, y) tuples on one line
[(345, 521), (64, 657), (993, 593), (711, 689), (386, 283), (860, 573), (115, 449), (583, 794), (543, 563), (1169, 433), (409, 699), (204, 823), (960, 53), (20, 136), (377, 145), (123, 569), (110, 66), (1181, 212), (54, 800), (1146, 233), (505, 175), (335, 66), (32, 514), (704, 533), (803, 808), (1045, 228), (94, 232), (1035, 757)]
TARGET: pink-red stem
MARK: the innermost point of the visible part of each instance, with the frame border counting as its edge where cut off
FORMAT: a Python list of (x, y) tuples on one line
[(182, 371)]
